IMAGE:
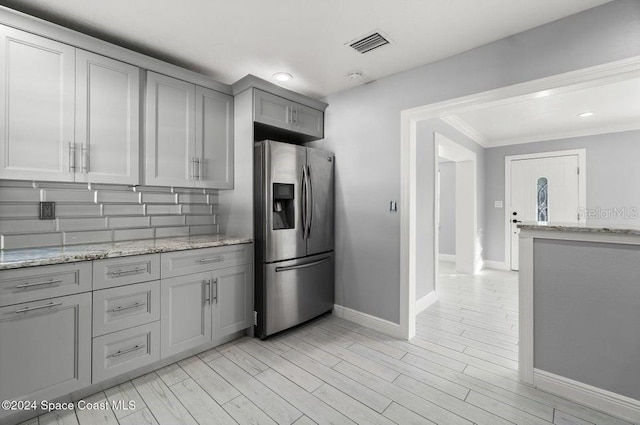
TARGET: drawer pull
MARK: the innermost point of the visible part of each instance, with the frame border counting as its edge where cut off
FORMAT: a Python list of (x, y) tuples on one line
[(127, 350), (40, 307), (120, 308), (121, 272), (211, 260), (30, 285)]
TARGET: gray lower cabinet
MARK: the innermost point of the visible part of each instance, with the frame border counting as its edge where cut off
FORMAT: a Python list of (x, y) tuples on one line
[(233, 308), (45, 348), (185, 312), (123, 351), (203, 307)]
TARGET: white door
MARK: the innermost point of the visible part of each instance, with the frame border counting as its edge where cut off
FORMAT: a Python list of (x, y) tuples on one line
[(214, 139), (170, 136), (543, 189), (37, 77), (107, 111)]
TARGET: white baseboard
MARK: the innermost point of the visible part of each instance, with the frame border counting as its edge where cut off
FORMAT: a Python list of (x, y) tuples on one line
[(496, 265), (614, 404), (425, 302), (373, 322), (447, 257)]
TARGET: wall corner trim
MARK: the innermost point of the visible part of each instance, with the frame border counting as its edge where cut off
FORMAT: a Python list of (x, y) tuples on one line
[(381, 325), (614, 404), (427, 301)]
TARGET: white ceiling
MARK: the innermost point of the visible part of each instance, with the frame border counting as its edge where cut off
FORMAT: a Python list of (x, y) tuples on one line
[(229, 39), (540, 116)]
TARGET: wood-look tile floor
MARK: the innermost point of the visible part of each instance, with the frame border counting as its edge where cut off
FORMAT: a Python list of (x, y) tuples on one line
[(460, 369)]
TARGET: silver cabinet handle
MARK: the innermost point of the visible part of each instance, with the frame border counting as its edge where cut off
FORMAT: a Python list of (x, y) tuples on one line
[(294, 115), (121, 272), (215, 293), (127, 350), (29, 285), (40, 307), (72, 157), (128, 307), (207, 291), (84, 157), (289, 115), (211, 260), (195, 168), (200, 168), (302, 266)]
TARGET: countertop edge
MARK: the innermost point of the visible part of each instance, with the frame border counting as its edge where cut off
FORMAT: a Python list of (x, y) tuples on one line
[(94, 252), (579, 229)]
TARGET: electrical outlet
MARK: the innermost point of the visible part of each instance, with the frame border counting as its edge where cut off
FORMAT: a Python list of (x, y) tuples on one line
[(47, 210)]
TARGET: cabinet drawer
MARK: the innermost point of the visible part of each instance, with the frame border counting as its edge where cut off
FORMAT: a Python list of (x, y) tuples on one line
[(36, 283), (205, 259), (124, 307), (125, 270), (126, 350)]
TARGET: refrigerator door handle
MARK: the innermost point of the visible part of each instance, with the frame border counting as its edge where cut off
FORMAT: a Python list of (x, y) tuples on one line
[(303, 202), (309, 202), (302, 266)]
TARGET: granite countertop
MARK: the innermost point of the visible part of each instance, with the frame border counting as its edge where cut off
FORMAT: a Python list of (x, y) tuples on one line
[(580, 228), (17, 258)]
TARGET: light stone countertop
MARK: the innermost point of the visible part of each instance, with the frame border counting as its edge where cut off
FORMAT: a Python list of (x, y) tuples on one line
[(580, 228), (17, 258)]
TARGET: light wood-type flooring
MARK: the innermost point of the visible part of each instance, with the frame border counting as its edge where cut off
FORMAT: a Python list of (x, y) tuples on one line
[(460, 369)]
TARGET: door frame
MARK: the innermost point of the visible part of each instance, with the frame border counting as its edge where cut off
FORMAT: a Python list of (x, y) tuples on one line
[(582, 188), (409, 119)]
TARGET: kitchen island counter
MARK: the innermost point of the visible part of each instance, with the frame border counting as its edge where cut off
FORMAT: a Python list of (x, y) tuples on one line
[(18, 258)]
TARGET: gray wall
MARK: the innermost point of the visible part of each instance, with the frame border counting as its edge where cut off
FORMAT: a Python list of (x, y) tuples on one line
[(587, 301), (447, 234), (363, 129), (612, 175)]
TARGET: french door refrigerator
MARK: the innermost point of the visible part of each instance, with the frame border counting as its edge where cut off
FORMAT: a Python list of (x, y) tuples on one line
[(294, 201)]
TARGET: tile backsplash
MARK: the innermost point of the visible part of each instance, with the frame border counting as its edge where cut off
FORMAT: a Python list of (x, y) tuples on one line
[(92, 213)]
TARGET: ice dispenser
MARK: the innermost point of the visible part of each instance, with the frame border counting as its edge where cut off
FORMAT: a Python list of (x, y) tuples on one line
[(283, 206)]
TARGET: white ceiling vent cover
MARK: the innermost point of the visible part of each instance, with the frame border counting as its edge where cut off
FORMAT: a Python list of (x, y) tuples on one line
[(369, 42)]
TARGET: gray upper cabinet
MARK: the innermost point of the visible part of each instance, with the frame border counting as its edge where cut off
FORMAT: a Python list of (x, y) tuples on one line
[(282, 113), (107, 120), (46, 348), (66, 114), (170, 131), (37, 80), (189, 135), (214, 139)]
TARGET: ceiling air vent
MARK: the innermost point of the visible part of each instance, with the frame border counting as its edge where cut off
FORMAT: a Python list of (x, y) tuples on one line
[(369, 42)]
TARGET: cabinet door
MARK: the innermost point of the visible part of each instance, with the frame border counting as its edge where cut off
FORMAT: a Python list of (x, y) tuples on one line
[(107, 115), (170, 131), (36, 107), (308, 121), (46, 348), (185, 313), (272, 110), (214, 139), (232, 299)]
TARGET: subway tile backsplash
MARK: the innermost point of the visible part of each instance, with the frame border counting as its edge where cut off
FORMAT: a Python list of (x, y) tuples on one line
[(88, 213)]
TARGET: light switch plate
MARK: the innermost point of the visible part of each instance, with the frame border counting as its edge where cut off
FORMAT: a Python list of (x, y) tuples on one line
[(393, 206), (497, 204), (47, 210)]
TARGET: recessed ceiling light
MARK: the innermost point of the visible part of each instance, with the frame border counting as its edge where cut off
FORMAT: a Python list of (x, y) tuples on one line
[(586, 114), (355, 75), (282, 76)]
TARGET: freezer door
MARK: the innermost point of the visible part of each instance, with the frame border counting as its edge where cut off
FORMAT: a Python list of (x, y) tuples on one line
[(297, 291), (320, 170), (284, 165)]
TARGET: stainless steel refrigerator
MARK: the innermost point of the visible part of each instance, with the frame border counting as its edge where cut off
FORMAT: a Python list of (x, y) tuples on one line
[(294, 201)]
